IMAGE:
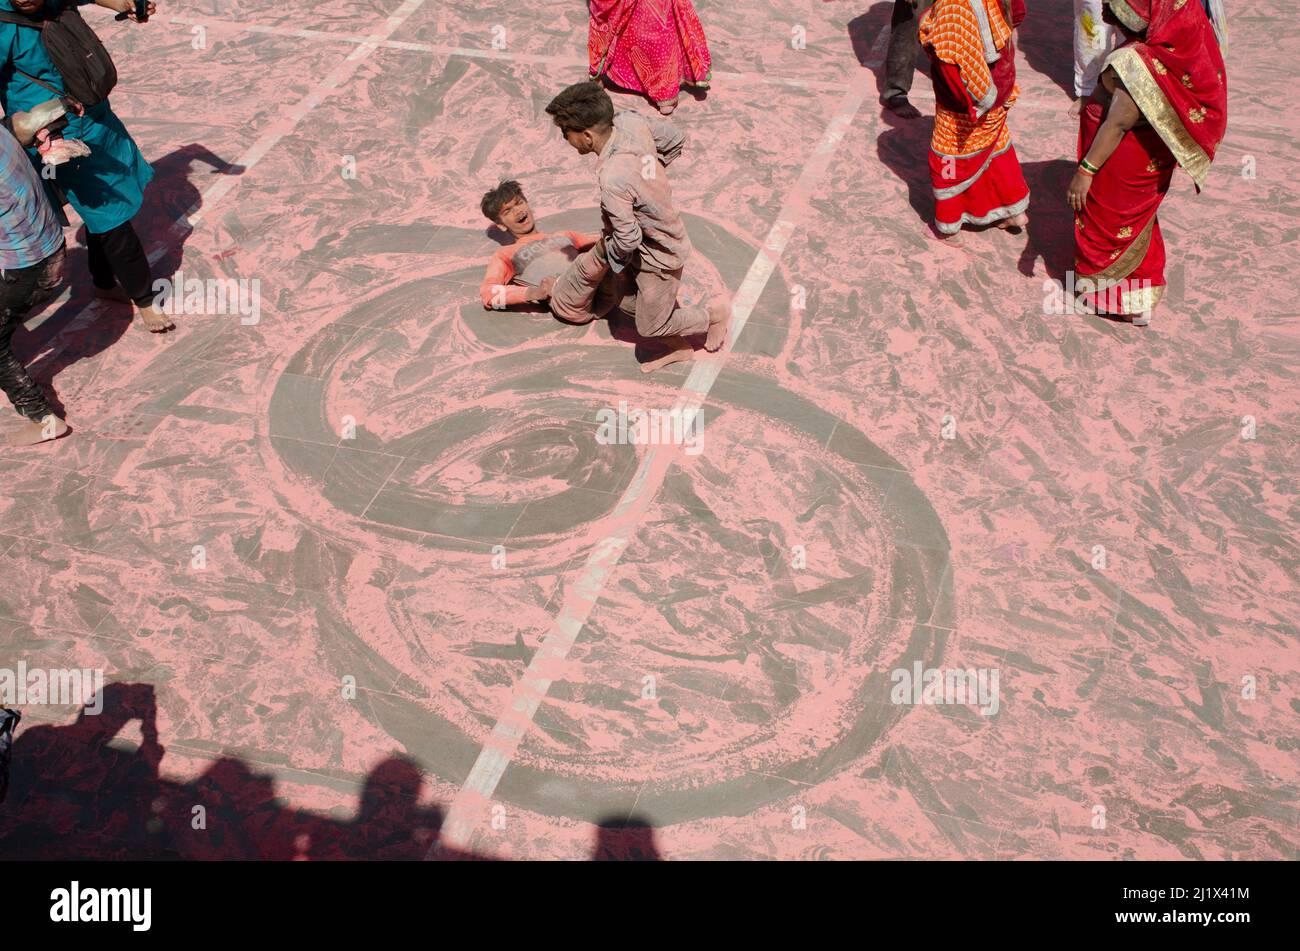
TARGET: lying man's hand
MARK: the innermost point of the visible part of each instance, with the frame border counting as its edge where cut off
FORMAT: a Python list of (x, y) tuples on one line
[(542, 291)]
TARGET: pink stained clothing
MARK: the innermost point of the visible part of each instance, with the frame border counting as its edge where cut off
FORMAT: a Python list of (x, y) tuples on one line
[(516, 268), (589, 289), (648, 46), (641, 224)]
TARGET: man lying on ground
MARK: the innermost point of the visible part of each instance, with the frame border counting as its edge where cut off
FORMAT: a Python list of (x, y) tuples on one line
[(525, 271)]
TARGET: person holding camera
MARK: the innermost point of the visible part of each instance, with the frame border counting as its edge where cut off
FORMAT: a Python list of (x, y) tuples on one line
[(47, 49), (31, 266)]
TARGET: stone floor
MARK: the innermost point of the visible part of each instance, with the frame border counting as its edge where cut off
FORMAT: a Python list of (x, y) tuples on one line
[(317, 556)]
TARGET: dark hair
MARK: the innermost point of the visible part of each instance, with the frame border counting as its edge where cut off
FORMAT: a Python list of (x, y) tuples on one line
[(582, 106), (498, 198)]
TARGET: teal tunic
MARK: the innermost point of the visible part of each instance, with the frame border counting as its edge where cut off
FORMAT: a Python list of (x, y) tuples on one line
[(107, 186)]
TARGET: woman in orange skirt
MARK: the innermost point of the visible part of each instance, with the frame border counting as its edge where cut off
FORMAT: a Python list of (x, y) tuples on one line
[(973, 166)]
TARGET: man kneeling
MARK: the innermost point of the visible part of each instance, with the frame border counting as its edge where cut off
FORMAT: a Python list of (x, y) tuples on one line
[(644, 239)]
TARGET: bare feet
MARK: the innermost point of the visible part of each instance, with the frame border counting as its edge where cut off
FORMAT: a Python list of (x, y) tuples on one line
[(667, 106), (900, 107), (952, 240), (1015, 223), (680, 353), (154, 320), (719, 324), (33, 433)]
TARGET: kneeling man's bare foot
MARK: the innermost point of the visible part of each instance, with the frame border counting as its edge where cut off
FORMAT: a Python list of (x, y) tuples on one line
[(34, 432), (681, 352), (719, 324)]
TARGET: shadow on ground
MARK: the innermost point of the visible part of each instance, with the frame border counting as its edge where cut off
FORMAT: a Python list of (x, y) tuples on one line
[(76, 795), (161, 224)]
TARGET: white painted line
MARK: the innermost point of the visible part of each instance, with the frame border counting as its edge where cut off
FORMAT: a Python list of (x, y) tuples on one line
[(879, 48), (270, 138), (469, 810), (472, 52), (255, 153)]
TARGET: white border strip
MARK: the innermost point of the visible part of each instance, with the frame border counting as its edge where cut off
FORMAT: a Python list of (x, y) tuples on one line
[(469, 51)]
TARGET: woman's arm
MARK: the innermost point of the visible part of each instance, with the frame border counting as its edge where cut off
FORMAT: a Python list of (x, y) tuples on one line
[(1121, 116)]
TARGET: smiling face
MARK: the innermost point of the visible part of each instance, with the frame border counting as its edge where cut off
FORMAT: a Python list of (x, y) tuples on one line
[(27, 6), (517, 217)]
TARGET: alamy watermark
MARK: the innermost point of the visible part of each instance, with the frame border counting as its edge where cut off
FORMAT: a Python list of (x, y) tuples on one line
[(935, 685), (181, 295), (638, 427), (59, 686), (1088, 296), (77, 904)]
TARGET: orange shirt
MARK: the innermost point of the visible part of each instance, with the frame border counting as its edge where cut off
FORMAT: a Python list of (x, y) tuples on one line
[(526, 263)]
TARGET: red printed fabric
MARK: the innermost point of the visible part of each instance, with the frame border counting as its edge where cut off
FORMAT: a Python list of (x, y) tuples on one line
[(648, 46), (1181, 55)]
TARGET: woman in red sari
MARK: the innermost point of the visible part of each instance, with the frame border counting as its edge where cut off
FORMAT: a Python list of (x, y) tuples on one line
[(649, 46), (973, 166), (1162, 101)]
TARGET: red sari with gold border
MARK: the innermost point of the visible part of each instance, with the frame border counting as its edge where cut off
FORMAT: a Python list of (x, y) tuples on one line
[(1175, 75)]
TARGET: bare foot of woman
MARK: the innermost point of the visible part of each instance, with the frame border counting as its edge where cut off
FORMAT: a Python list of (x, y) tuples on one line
[(680, 353), (719, 324), (155, 321), (667, 106), (35, 432), (1015, 223), (952, 240)]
